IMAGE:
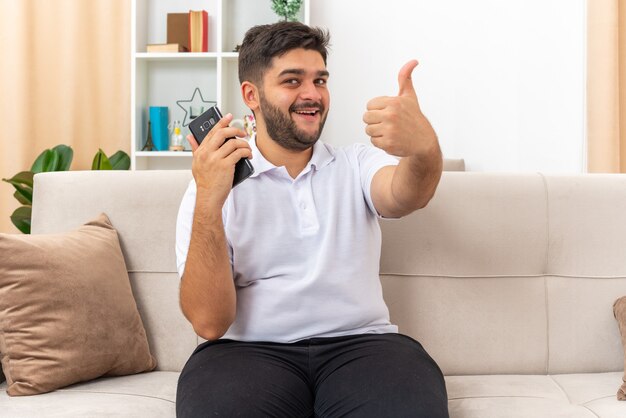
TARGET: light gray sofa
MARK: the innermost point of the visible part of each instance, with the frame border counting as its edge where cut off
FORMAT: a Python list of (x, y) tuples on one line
[(507, 280)]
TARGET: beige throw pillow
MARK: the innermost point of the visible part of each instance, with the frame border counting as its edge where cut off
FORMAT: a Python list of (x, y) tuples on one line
[(67, 312), (619, 310)]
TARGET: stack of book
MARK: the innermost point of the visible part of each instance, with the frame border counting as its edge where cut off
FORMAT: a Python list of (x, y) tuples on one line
[(186, 32)]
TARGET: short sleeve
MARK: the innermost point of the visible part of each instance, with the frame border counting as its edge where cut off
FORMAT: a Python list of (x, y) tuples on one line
[(371, 159)]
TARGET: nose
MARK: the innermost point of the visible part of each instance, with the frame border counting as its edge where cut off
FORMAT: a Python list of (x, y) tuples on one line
[(310, 91)]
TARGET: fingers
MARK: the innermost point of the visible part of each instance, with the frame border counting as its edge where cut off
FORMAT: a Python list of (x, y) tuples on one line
[(192, 141), (238, 154), (234, 145), (374, 130), (225, 133), (377, 142), (373, 116), (229, 145), (224, 122), (219, 136), (379, 103)]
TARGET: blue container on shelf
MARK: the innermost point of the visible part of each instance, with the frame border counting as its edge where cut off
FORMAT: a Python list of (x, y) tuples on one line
[(158, 122)]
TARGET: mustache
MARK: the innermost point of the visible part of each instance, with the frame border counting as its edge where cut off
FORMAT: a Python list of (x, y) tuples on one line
[(307, 105)]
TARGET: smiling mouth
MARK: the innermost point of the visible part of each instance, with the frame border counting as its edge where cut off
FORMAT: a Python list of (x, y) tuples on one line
[(311, 112)]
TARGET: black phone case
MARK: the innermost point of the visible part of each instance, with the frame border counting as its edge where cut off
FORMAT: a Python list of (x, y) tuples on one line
[(201, 126)]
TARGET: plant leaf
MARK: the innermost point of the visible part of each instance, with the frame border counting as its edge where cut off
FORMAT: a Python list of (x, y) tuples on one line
[(40, 161), (47, 161), (23, 184), (21, 218), (120, 161), (66, 154), (23, 200), (54, 162), (23, 177), (101, 162), (25, 191)]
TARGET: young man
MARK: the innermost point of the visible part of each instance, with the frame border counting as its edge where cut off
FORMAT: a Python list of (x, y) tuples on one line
[(280, 274)]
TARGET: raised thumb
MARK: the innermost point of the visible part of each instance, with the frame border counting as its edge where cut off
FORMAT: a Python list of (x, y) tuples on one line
[(404, 79)]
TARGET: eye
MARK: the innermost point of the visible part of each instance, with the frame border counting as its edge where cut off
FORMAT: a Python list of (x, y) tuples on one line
[(291, 81), (321, 81)]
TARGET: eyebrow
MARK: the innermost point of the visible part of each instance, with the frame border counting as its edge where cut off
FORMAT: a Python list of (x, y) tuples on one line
[(298, 71)]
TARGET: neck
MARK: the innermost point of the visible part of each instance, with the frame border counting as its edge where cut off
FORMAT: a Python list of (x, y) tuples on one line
[(293, 161)]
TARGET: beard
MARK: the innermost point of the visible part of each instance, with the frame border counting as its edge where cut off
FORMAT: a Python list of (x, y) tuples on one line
[(283, 130)]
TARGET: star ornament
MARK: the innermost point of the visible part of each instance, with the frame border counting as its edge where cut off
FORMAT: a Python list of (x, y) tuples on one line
[(195, 106)]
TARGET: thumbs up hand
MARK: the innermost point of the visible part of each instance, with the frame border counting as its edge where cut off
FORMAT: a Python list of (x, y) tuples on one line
[(396, 124)]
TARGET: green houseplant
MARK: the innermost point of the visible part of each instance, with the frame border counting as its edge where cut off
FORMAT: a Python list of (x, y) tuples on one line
[(287, 9), (58, 158)]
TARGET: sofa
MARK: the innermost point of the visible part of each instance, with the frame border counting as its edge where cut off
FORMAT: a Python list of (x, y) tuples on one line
[(508, 280)]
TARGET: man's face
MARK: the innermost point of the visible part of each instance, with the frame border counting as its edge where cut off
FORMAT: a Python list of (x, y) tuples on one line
[(294, 99)]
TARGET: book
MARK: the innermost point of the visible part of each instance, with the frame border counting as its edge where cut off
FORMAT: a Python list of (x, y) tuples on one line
[(166, 48), (178, 29), (198, 31)]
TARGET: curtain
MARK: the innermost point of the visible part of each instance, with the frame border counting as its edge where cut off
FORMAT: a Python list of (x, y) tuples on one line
[(606, 86), (64, 79)]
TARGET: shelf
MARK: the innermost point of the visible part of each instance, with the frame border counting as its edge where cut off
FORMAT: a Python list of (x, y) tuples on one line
[(168, 154), (173, 56), (170, 78)]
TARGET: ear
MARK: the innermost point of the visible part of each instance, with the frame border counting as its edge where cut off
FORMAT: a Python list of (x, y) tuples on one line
[(250, 95)]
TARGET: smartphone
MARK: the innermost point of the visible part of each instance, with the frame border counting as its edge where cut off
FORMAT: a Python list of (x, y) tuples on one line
[(201, 126)]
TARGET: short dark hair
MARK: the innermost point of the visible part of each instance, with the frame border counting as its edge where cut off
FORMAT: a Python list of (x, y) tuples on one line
[(264, 42)]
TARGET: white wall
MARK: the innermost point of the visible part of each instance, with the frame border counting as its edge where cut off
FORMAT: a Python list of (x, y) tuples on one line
[(502, 82)]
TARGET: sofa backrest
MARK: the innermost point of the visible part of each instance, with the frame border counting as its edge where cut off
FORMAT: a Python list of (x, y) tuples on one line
[(500, 273), (509, 273)]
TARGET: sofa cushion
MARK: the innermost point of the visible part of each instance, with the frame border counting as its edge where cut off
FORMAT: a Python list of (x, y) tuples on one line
[(497, 396), (538, 396), (67, 312), (143, 395)]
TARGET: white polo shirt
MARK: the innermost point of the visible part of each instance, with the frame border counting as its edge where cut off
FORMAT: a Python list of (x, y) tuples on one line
[(305, 252)]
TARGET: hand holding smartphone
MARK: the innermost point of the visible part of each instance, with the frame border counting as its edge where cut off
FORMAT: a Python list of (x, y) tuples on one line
[(201, 126)]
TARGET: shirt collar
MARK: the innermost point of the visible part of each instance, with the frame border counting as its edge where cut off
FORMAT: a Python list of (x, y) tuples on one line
[(322, 155), (258, 161)]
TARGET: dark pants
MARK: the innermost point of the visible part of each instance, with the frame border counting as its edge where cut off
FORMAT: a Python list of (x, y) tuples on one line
[(369, 375)]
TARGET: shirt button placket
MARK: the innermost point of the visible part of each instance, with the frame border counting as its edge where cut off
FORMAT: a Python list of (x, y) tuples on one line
[(304, 196)]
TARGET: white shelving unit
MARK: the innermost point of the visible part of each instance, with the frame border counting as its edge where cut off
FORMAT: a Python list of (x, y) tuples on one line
[(161, 79)]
